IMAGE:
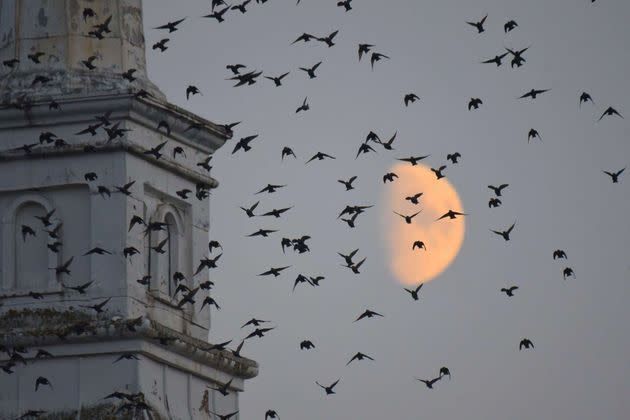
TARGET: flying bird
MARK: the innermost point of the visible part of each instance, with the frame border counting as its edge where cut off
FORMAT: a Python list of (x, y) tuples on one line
[(429, 382), (498, 190), (287, 151), (387, 145), (533, 93), (389, 177), (505, 233), (451, 214), (330, 388), (474, 103), (438, 172), (408, 219), (419, 245), (348, 183), (413, 199), (494, 202), (454, 157), (171, 26), (243, 143), (311, 70), (411, 97), (364, 49), (413, 159), (585, 97), (614, 175), (328, 40), (359, 356), (414, 292), (278, 80), (509, 291), (609, 112), (320, 156), (376, 57), (367, 314), (274, 271), (510, 26), (559, 253), (498, 59), (345, 4), (479, 25), (250, 210), (304, 107), (270, 188), (526, 343)]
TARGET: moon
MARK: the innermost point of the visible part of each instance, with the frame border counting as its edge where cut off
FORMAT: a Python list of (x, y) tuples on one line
[(443, 239)]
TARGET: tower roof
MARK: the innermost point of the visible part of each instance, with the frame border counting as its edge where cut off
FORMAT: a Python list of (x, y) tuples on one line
[(46, 45)]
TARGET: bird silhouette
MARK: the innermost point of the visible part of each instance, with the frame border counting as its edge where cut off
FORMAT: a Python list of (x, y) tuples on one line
[(243, 144), (320, 156), (533, 93), (241, 7), (410, 97), (304, 37), (250, 210), (610, 111), (276, 212), (509, 291), (274, 271), (419, 245), (479, 25), (255, 322), (363, 149), (451, 215), (330, 388), (498, 59), (171, 26), (517, 57), (307, 345), (376, 57), (161, 45), (42, 381), (498, 190), (509, 26), (224, 389), (389, 177), (388, 144), (287, 151), (278, 80), (474, 103), (505, 233), (98, 308), (494, 202), (438, 172), (271, 188), (585, 97), (414, 199), (348, 183), (262, 232), (359, 356), (364, 49), (525, 343), (533, 134), (311, 70), (218, 14), (559, 253), (271, 414), (454, 157), (328, 40), (304, 107), (413, 159), (568, 272), (367, 314), (414, 292), (614, 175), (408, 218), (345, 4)]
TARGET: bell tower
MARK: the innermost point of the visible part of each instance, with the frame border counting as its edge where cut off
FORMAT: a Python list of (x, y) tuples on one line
[(104, 203)]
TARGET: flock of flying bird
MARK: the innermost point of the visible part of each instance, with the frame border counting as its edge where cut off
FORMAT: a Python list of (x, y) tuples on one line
[(113, 131)]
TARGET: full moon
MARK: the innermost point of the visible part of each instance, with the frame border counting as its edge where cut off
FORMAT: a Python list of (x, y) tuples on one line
[(442, 239)]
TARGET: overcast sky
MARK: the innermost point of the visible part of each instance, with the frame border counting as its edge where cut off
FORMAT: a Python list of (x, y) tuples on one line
[(558, 195)]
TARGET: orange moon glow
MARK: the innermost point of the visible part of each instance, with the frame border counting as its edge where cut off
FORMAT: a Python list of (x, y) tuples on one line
[(443, 239)]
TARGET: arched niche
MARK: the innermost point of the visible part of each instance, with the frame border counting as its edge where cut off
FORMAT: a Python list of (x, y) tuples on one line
[(26, 261), (164, 266)]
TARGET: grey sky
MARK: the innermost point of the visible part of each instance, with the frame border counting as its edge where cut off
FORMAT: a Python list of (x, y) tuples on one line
[(558, 195)]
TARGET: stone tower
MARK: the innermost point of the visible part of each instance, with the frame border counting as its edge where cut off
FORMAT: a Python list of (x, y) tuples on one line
[(76, 126)]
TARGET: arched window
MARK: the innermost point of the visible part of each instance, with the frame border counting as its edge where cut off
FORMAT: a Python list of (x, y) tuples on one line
[(26, 257), (165, 265)]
